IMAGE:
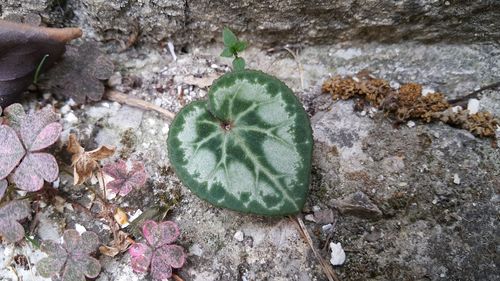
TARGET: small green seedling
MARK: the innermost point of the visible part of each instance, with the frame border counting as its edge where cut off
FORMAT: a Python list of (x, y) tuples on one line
[(248, 148), (232, 46)]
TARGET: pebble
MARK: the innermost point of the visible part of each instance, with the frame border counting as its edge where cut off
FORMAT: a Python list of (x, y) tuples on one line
[(71, 118), (473, 106), (115, 80), (410, 124), (426, 91), (338, 254), (456, 179), (310, 218), (327, 227), (196, 250), (239, 236), (65, 109)]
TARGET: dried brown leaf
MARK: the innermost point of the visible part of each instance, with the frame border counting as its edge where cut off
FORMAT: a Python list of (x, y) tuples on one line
[(86, 162)]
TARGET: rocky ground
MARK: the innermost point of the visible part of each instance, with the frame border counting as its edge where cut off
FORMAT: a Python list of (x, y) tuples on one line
[(414, 202), (410, 202)]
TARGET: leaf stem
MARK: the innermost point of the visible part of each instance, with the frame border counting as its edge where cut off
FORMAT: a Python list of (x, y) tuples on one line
[(39, 68)]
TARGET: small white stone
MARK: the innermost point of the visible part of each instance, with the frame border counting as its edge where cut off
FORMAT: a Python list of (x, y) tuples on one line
[(426, 91), (71, 118), (473, 106), (310, 217), (65, 109), (327, 227), (196, 250), (80, 228), (394, 85), (214, 66), (338, 254), (56, 183), (316, 208), (456, 179), (410, 124), (239, 236), (71, 102), (456, 109), (135, 215)]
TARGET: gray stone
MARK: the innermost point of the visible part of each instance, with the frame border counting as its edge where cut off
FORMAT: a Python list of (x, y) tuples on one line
[(324, 216), (272, 22), (359, 205)]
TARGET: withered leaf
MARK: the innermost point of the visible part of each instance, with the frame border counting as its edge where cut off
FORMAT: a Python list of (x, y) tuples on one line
[(86, 162), (120, 244), (80, 74), (22, 48)]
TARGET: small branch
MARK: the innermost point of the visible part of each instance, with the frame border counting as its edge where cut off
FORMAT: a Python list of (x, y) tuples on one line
[(299, 65), (125, 99), (327, 268), (463, 100)]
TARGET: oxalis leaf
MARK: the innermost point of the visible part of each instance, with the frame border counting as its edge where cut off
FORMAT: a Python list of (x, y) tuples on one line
[(248, 148)]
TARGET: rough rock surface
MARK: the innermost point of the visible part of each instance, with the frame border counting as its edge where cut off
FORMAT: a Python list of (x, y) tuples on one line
[(417, 222), (275, 22)]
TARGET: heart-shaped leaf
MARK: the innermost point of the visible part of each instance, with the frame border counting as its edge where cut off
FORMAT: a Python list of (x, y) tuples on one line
[(248, 148)]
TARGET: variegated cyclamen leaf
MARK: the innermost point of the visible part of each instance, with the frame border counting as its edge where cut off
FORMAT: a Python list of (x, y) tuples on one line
[(11, 150), (248, 148)]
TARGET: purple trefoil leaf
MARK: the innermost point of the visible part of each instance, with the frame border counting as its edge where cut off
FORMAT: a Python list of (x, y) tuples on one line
[(20, 145), (10, 229), (125, 180), (70, 260), (11, 150), (158, 253)]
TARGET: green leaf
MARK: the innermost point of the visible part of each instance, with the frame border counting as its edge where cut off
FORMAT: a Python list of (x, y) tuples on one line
[(248, 148), (227, 53), (229, 38), (238, 64), (240, 46)]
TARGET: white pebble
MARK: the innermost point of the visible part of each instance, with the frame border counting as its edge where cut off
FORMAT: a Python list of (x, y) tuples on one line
[(239, 236), (310, 217), (456, 109), (80, 228), (410, 124), (426, 91), (394, 85), (327, 227), (338, 254), (456, 179), (473, 106), (71, 118), (65, 109)]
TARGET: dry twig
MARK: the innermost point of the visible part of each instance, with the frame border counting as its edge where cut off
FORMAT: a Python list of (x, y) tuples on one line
[(125, 99), (327, 269)]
